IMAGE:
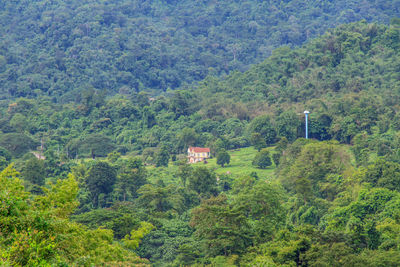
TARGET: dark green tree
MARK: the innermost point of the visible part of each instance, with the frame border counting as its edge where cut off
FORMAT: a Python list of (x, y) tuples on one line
[(223, 228), (223, 157), (19, 123), (160, 198), (258, 141), (180, 103), (187, 255), (162, 157), (260, 202), (263, 126), (16, 143), (305, 168), (34, 171), (383, 174), (276, 157), (96, 145), (100, 180), (3, 163), (132, 175), (186, 137), (203, 181), (4, 153), (148, 117), (90, 99), (282, 144), (287, 125), (262, 159), (184, 172)]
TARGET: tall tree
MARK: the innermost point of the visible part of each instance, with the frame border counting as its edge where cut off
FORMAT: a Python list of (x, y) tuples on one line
[(223, 228), (260, 202), (263, 126), (34, 171), (131, 177), (203, 181), (184, 172), (100, 180), (162, 156)]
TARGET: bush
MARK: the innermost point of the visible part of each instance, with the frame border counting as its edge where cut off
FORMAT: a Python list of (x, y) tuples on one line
[(223, 157), (276, 157), (262, 159)]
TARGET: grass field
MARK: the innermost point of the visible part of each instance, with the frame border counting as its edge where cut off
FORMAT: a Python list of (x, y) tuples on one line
[(239, 165)]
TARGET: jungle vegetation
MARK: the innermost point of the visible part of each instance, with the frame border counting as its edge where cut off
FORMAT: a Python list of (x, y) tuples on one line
[(60, 48), (100, 100)]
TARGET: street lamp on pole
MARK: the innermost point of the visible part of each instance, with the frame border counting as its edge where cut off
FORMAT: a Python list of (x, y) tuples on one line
[(306, 113)]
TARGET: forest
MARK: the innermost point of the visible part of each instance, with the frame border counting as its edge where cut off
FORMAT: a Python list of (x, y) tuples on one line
[(58, 48), (100, 101)]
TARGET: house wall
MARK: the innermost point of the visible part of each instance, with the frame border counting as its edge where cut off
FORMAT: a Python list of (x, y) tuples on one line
[(197, 157)]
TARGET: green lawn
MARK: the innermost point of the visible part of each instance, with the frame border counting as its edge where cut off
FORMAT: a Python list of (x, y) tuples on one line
[(239, 165)]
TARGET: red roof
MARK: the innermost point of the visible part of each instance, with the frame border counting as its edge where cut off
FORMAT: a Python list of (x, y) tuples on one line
[(199, 149)]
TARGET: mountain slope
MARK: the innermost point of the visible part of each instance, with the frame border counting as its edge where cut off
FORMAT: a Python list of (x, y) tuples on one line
[(351, 58), (59, 48)]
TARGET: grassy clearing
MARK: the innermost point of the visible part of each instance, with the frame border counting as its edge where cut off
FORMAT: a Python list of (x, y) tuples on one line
[(240, 165)]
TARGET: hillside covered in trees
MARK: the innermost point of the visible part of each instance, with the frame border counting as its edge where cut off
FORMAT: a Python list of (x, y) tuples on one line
[(348, 79), (59, 48), (92, 145), (327, 201)]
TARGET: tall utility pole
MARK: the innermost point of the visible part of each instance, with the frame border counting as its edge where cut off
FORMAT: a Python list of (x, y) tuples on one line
[(306, 113)]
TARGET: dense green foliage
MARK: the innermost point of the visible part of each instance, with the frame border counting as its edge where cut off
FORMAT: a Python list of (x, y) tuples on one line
[(100, 180), (61, 48), (118, 165), (223, 157), (262, 159), (36, 231), (347, 78)]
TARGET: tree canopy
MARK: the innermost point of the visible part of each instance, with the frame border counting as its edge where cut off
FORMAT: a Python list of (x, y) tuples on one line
[(63, 48), (112, 90)]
